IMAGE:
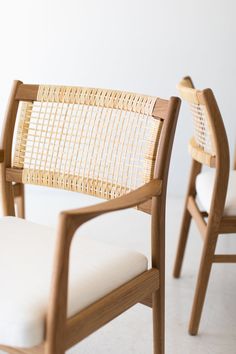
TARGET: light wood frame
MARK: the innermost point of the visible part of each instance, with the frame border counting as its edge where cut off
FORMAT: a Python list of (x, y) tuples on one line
[(215, 223), (147, 288)]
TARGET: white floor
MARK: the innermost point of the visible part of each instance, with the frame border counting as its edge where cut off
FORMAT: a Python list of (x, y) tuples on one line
[(132, 332)]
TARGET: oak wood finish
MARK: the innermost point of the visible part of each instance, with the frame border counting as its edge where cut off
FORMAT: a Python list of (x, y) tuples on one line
[(27, 92), (14, 175), (1, 155), (197, 215), (18, 189), (6, 147), (234, 162), (160, 108), (147, 288), (19, 198), (213, 224), (109, 307), (224, 258)]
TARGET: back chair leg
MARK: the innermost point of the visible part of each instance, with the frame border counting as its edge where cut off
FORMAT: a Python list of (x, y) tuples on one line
[(202, 281), (19, 199), (21, 204), (158, 312), (195, 170), (182, 242)]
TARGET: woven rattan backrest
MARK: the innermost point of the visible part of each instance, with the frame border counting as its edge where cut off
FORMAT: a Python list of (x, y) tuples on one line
[(202, 146), (100, 142)]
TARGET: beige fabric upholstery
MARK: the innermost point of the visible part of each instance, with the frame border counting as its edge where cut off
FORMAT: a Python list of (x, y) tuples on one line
[(204, 187), (26, 253)]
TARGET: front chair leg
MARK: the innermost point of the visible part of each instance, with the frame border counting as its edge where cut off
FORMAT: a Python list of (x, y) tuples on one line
[(158, 312), (195, 170), (202, 281)]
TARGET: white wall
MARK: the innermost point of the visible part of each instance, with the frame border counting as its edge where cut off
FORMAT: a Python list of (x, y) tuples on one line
[(139, 45)]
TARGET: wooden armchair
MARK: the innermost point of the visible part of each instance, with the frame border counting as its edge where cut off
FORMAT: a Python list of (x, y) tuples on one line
[(110, 144), (211, 194)]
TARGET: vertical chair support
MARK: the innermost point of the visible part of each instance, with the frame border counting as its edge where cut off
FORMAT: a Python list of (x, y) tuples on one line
[(19, 198), (184, 230), (6, 145), (158, 225)]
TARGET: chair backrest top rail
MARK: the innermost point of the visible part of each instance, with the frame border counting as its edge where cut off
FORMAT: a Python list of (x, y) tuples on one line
[(28, 92)]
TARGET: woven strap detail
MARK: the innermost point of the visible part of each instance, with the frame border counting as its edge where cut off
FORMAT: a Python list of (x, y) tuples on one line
[(97, 97), (202, 129), (200, 155), (100, 142)]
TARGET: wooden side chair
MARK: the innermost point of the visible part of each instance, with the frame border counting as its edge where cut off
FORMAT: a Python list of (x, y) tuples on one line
[(211, 194), (110, 144)]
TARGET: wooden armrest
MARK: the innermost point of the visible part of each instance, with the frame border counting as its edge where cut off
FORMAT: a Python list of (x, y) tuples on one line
[(69, 222), (1, 155), (79, 216)]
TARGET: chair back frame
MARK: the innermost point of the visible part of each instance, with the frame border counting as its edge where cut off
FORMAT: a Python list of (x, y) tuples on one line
[(220, 160)]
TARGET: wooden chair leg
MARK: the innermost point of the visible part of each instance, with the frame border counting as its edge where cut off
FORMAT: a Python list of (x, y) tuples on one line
[(195, 170), (202, 281), (158, 311), (182, 243), (19, 200)]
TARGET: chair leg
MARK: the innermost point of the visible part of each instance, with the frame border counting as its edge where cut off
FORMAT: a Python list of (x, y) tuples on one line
[(195, 170), (158, 311), (182, 242), (19, 200), (202, 282)]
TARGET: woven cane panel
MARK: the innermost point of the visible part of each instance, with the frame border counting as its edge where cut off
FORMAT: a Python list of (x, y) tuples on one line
[(100, 142), (202, 129)]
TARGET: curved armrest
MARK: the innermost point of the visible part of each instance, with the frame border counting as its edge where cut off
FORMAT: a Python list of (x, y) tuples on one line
[(79, 216), (71, 220), (1, 155)]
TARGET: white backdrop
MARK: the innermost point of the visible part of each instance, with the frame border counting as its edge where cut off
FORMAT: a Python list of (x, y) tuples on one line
[(138, 45)]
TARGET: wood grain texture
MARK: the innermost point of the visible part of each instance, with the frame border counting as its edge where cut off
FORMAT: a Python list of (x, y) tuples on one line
[(147, 301), (158, 223), (19, 198), (134, 198), (197, 215), (111, 306), (1, 155), (14, 175), (234, 161), (227, 225), (27, 92), (6, 146), (224, 258), (160, 108), (186, 219)]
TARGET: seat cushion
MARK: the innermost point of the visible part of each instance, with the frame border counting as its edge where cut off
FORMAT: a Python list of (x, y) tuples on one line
[(26, 257), (204, 187)]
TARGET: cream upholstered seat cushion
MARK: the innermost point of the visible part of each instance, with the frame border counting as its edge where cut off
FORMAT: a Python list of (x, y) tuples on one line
[(26, 256), (204, 187)]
